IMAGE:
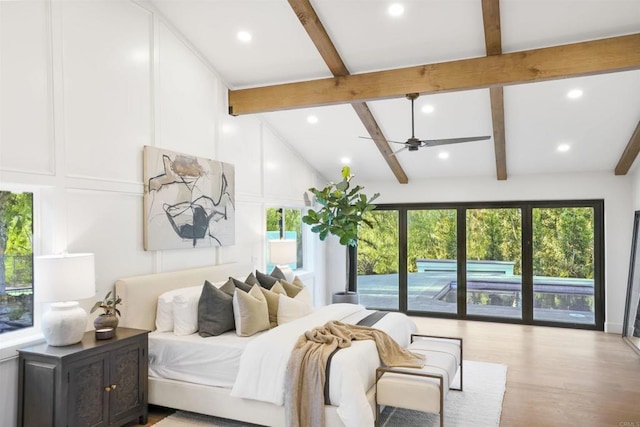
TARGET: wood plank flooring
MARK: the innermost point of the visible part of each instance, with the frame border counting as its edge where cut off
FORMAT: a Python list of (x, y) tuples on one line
[(555, 377)]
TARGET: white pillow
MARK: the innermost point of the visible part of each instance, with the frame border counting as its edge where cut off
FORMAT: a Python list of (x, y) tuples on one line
[(293, 308), (164, 311), (185, 311)]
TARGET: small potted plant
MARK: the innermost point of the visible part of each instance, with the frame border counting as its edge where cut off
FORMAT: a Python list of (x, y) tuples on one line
[(342, 211), (108, 319)]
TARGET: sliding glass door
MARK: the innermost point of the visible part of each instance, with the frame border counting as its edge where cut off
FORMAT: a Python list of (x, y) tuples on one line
[(563, 264), (519, 262), (378, 259), (432, 268), (494, 262)]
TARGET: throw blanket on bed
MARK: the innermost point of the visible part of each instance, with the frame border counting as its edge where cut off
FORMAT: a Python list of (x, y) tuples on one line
[(304, 396)]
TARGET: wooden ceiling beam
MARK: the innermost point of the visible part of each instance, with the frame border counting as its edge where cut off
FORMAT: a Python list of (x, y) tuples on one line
[(571, 60), (316, 31), (493, 44), (630, 153)]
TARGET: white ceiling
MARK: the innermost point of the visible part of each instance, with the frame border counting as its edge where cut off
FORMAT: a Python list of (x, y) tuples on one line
[(538, 116)]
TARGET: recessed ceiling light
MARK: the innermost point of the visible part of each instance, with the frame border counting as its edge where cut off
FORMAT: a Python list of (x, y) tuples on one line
[(574, 93), (563, 148), (443, 155), (345, 160), (244, 36), (396, 9), (312, 119), (428, 109)]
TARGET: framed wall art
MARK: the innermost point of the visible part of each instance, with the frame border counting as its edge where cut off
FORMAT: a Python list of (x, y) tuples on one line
[(189, 201)]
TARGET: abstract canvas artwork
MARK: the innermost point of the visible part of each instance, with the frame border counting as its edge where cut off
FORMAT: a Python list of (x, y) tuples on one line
[(189, 201)]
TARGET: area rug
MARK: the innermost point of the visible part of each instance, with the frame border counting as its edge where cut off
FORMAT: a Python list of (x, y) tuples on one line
[(480, 404)]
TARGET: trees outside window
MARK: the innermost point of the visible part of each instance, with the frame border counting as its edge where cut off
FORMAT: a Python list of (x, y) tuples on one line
[(16, 261)]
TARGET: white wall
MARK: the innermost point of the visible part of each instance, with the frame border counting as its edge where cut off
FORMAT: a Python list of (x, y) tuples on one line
[(84, 86)]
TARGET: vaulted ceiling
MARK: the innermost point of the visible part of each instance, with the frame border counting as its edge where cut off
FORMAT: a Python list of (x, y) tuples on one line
[(481, 67)]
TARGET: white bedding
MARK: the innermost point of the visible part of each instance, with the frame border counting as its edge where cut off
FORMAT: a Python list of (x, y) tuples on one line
[(209, 361), (255, 367), (263, 364)]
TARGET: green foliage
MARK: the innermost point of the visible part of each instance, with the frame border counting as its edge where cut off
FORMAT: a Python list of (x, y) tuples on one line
[(16, 217), (108, 304), (342, 210), (562, 239)]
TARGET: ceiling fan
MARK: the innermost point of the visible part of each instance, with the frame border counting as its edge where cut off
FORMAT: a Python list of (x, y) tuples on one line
[(413, 143)]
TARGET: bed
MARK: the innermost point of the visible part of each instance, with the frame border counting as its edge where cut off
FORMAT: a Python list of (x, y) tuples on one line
[(183, 385)]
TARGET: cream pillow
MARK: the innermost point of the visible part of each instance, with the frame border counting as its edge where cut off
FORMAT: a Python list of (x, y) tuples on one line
[(164, 310), (293, 308), (250, 311), (272, 302)]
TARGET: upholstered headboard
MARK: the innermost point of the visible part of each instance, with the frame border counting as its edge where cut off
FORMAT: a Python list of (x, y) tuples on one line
[(140, 293)]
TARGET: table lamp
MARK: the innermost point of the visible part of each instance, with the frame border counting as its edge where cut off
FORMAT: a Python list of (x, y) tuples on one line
[(283, 252), (62, 279)]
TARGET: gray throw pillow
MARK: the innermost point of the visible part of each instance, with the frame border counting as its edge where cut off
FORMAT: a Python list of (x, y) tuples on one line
[(230, 286), (278, 274), (251, 280), (242, 285), (215, 311), (265, 280)]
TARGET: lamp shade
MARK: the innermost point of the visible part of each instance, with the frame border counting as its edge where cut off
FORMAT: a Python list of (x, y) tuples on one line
[(65, 277), (282, 252)]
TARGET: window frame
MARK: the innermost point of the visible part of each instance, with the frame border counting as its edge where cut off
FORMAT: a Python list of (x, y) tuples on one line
[(526, 207)]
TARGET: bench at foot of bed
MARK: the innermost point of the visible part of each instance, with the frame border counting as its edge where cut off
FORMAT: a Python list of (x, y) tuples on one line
[(422, 389)]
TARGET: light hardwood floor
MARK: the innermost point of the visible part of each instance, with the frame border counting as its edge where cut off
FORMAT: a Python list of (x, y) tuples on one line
[(555, 377)]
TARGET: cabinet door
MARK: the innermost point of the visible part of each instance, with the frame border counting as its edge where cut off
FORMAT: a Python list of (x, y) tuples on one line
[(88, 392), (126, 392)]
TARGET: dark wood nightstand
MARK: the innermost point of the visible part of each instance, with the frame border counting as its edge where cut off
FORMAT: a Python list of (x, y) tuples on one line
[(92, 383)]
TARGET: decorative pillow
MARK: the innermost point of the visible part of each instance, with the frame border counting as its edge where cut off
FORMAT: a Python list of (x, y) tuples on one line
[(272, 306), (251, 280), (185, 312), (164, 310), (250, 311), (293, 308), (272, 302), (215, 311), (290, 288), (278, 274), (265, 280), (230, 286)]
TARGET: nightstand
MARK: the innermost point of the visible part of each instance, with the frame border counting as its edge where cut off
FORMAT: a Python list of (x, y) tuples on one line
[(91, 383)]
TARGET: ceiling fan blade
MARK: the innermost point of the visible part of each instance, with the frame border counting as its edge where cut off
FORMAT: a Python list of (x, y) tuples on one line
[(434, 142), (397, 151), (373, 139)]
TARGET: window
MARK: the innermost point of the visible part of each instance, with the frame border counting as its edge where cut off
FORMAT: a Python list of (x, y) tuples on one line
[(16, 261), (285, 223), (520, 262), (377, 255)]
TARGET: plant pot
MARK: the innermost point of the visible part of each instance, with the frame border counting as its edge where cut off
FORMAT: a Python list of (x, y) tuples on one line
[(106, 321), (345, 297)]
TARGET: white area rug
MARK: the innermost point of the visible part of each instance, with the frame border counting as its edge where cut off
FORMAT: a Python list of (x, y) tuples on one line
[(480, 404)]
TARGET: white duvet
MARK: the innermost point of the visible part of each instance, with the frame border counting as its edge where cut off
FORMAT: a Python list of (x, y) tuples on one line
[(263, 365)]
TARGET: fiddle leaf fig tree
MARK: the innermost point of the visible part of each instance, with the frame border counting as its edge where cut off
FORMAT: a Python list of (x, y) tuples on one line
[(342, 210)]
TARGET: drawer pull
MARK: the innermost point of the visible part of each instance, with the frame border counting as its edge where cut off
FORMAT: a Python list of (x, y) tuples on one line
[(107, 389), (113, 386)]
